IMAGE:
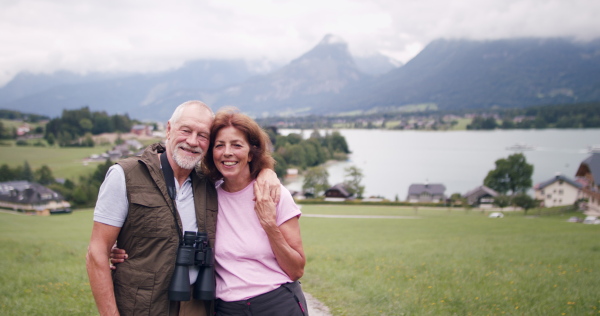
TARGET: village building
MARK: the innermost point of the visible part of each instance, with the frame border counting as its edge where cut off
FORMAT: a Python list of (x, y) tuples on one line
[(426, 193), (28, 196), (558, 191), (23, 129), (481, 197), (142, 130), (338, 192), (589, 170)]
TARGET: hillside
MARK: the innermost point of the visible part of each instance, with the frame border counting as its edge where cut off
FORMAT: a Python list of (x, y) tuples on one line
[(447, 75), (457, 74)]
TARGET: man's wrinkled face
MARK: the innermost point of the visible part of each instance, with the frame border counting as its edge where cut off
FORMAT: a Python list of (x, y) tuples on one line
[(188, 138)]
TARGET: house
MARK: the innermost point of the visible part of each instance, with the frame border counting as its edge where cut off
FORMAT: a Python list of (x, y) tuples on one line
[(426, 193), (142, 130), (338, 192), (291, 173), (481, 196), (23, 129), (589, 170), (558, 191), (31, 197)]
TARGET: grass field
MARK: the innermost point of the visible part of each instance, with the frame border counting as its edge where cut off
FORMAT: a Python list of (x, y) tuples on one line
[(441, 263), (462, 124), (64, 162)]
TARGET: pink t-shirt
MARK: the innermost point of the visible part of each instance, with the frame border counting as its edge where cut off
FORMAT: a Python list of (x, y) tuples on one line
[(245, 263)]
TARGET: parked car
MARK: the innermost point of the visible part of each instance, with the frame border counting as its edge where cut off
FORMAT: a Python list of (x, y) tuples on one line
[(591, 220), (496, 215)]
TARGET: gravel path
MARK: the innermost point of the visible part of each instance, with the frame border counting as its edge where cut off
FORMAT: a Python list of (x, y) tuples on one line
[(315, 307)]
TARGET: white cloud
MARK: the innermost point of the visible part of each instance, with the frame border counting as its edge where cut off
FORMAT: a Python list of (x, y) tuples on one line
[(87, 35)]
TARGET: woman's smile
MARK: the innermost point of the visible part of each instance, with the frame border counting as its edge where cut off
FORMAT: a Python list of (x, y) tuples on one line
[(232, 151)]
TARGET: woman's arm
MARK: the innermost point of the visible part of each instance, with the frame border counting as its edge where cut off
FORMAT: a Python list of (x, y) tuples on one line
[(285, 240)]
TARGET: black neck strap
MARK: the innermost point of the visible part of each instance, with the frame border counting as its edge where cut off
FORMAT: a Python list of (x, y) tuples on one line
[(170, 180), (169, 176)]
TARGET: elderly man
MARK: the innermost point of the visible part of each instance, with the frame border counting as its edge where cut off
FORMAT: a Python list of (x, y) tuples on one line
[(136, 209)]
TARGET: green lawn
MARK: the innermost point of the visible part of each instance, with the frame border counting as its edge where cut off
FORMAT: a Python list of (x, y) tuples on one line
[(66, 162), (450, 263), (441, 263), (462, 124), (43, 264)]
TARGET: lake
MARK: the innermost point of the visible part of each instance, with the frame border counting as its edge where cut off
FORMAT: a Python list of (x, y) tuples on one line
[(392, 160)]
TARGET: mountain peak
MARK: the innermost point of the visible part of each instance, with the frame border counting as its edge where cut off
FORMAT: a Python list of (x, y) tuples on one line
[(331, 39)]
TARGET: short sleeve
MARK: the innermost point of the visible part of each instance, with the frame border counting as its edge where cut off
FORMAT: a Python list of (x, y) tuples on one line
[(112, 205), (287, 207)]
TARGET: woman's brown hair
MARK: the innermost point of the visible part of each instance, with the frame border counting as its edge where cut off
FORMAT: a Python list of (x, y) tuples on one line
[(257, 138)]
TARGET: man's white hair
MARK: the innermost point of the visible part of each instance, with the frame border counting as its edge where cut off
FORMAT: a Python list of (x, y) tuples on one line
[(177, 113)]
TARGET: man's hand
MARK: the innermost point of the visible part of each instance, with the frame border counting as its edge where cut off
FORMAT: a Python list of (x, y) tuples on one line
[(268, 177), (265, 207)]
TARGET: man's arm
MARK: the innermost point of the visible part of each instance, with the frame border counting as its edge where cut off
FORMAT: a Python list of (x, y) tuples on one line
[(269, 177), (102, 240)]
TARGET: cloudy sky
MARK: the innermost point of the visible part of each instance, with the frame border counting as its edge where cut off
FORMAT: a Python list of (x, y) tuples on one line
[(43, 36)]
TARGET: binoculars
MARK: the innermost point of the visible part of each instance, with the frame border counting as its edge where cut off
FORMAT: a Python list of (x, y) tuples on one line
[(194, 250)]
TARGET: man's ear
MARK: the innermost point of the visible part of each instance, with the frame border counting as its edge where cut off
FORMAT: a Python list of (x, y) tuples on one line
[(168, 130)]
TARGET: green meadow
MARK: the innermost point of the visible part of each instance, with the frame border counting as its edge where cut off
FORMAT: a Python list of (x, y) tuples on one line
[(412, 262), (65, 162)]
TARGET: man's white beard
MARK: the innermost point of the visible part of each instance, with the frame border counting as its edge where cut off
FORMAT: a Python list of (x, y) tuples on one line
[(184, 161)]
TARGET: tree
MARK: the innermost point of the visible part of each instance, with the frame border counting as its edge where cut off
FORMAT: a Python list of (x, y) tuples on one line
[(86, 125), (44, 175), (26, 172), (524, 201), (511, 175), (337, 142), (280, 165), (87, 140), (315, 180), (50, 139), (98, 176), (353, 178), (502, 201), (457, 199), (6, 173)]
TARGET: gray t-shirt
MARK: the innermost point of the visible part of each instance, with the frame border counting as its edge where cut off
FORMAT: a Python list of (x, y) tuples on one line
[(112, 205)]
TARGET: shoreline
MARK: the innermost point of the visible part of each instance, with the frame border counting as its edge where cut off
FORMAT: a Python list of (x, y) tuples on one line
[(294, 183)]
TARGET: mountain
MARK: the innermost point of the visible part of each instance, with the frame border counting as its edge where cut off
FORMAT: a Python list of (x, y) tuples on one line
[(297, 88), (377, 64), (447, 74), (461, 74), (313, 77), (25, 84), (120, 93)]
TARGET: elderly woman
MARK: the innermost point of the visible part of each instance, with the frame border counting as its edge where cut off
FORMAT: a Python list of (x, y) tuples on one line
[(258, 248)]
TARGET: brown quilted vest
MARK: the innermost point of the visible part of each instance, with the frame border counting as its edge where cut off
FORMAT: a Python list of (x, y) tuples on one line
[(149, 234)]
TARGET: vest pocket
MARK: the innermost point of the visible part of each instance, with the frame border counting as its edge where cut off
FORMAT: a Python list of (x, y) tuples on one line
[(133, 290), (150, 214)]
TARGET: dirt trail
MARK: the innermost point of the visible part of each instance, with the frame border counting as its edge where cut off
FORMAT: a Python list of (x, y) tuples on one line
[(315, 307)]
